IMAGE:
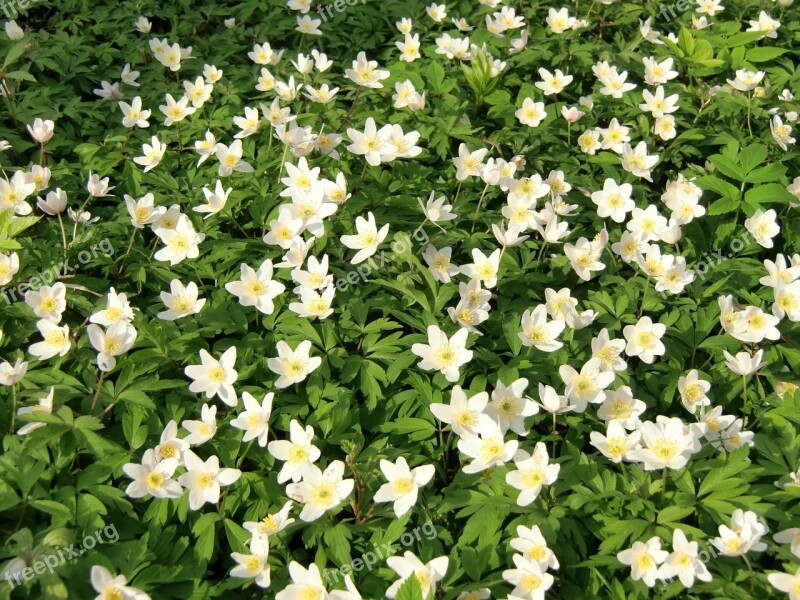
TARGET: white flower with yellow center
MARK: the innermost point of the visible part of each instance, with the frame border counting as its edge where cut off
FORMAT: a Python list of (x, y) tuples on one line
[(531, 474), (320, 491), (254, 565), (644, 559), (644, 339), (113, 588), (693, 391), (443, 354), (587, 386), (403, 484), (531, 543), (203, 430), (116, 340), (667, 443), (488, 449), (528, 579), (256, 288), (204, 479), (617, 443), (56, 340), (366, 240), (537, 331), (254, 419), (742, 536), (427, 575), (48, 302), (215, 377), (181, 301), (293, 366), (298, 453), (153, 477)]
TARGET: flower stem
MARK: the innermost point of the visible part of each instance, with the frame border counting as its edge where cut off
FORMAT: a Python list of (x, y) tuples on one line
[(13, 406), (477, 210), (63, 233), (97, 391)]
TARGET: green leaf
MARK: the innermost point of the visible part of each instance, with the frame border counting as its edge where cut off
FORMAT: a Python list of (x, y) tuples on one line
[(410, 590)]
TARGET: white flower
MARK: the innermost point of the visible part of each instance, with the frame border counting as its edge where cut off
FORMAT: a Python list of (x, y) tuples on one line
[(746, 80), (531, 474), (644, 339), (510, 408), (781, 133), (204, 479), (12, 374), (293, 366), (153, 477), (152, 154), (215, 377), (465, 416), (744, 364), (254, 565), (48, 302), (230, 158), (365, 72), (528, 579), (443, 354), (620, 405), (559, 20), (41, 131), (531, 113), (256, 288), (757, 326), (531, 543), (644, 559), (203, 430), (683, 561), (367, 240), (427, 575), (436, 210), (215, 201), (483, 268), (56, 340), (403, 484), (637, 161), (116, 340), (176, 111), (113, 587), (617, 443), (614, 200), (298, 454), (667, 443), (97, 187), (763, 225), (181, 301), (469, 164), (693, 391), (254, 419), (789, 584), (553, 83), (742, 536), (271, 524), (45, 405), (373, 144), (539, 332), (587, 386), (170, 445), (608, 352), (9, 266), (320, 491), (180, 243), (13, 31)]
